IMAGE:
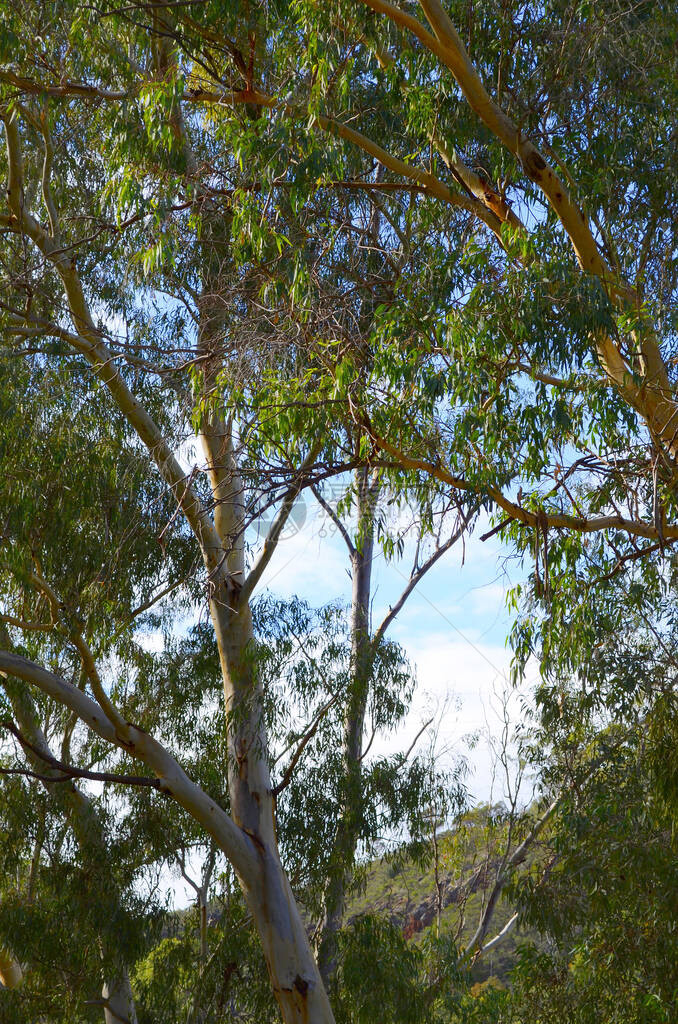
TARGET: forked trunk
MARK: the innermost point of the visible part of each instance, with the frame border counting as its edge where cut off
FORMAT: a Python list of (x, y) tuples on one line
[(292, 968)]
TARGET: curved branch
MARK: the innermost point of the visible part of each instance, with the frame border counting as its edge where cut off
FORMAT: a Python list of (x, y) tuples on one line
[(516, 857), (88, 341), (59, 611), (432, 185), (237, 846), (69, 771), (540, 520), (653, 398), (305, 739), (508, 927)]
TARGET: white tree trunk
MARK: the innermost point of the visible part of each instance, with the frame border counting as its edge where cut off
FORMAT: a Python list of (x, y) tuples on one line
[(119, 1008), (11, 974), (294, 974), (292, 968), (248, 838)]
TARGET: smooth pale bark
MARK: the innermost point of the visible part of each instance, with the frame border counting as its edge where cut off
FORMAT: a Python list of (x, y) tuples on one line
[(294, 974), (119, 1002), (292, 968), (248, 837), (251, 847), (171, 777), (11, 974), (342, 857)]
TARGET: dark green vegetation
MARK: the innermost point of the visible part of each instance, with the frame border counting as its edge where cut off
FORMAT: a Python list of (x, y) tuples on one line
[(424, 255)]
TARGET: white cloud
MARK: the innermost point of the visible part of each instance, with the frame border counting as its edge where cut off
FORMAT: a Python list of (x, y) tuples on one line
[(453, 629)]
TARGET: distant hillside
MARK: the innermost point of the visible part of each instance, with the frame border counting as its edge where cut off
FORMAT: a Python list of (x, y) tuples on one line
[(405, 893), (400, 889)]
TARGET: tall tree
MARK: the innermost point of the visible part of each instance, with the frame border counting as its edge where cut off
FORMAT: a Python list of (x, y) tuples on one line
[(527, 343), (51, 277)]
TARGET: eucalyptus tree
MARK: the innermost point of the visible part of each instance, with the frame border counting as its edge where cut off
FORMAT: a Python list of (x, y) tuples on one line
[(366, 673), (247, 835), (599, 400), (63, 306), (532, 337), (549, 349), (191, 143)]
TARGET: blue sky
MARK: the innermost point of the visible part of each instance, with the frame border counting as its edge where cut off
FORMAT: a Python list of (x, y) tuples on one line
[(453, 628)]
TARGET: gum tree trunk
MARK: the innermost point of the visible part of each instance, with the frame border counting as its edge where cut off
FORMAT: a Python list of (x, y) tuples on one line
[(292, 968), (346, 837), (119, 1001), (293, 971)]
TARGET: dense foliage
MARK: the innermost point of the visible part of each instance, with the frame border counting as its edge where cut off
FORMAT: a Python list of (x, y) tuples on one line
[(404, 257)]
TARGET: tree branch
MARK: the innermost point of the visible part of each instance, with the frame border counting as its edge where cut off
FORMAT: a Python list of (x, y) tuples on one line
[(69, 771), (88, 341), (335, 519), (307, 737), (498, 887), (548, 520), (654, 397), (60, 612), (237, 846), (417, 576), (271, 541)]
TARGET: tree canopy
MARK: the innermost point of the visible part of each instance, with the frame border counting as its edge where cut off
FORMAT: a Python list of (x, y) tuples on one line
[(420, 254)]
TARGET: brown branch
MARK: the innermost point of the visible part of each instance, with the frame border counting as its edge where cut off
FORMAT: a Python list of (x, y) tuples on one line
[(69, 771), (542, 519), (42, 627), (653, 398)]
